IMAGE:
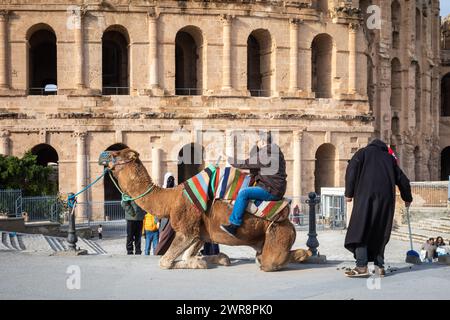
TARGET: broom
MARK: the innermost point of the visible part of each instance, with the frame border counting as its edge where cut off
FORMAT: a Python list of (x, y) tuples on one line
[(411, 256)]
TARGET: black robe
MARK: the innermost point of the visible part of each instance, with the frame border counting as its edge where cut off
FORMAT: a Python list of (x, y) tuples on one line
[(370, 180)]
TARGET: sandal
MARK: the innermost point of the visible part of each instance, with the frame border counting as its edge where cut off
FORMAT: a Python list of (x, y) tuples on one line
[(381, 272), (358, 272)]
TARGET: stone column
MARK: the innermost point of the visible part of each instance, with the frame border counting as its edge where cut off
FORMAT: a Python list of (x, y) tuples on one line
[(3, 48), (4, 142), (79, 47), (82, 212), (297, 169), (293, 54), (156, 165), (352, 57), (229, 144), (153, 49), (227, 21)]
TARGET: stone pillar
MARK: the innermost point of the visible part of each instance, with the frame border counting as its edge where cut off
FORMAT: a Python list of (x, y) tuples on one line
[(4, 142), (79, 48), (227, 21), (352, 57), (82, 212), (3, 48), (153, 49), (156, 165), (293, 54), (229, 144), (297, 169)]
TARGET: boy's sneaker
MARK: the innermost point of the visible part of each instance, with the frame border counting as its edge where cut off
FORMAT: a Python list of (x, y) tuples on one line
[(231, 229)]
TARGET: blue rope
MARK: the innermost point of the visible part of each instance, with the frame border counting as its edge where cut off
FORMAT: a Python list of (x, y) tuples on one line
[(71, 198)]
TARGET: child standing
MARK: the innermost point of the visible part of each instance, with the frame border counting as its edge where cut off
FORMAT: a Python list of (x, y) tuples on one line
[(151, 232), (100, 232)]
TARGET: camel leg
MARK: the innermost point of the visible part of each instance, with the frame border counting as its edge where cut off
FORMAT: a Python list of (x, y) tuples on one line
[(276, 250), (220, 259), (180, 244)]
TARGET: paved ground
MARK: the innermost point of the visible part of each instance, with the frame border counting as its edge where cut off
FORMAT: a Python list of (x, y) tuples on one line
[(116, 276)]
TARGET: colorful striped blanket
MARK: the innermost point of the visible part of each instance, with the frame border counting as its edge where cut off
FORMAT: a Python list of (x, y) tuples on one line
[(224, 184)]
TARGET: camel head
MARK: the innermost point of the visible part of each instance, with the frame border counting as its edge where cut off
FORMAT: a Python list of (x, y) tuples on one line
[(117, 161)]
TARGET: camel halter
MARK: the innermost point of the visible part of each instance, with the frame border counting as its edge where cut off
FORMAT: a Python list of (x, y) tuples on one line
[(126, 197)]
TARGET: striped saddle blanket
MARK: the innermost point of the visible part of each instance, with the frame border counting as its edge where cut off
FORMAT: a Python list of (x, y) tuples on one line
[(224, 184)]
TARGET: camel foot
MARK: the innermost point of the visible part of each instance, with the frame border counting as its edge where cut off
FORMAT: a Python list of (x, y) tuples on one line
[(222, 259), (165, 264), (191, 263), (300, 255)]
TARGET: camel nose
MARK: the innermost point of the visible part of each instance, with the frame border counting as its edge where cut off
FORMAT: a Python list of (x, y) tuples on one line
[(105, 158)]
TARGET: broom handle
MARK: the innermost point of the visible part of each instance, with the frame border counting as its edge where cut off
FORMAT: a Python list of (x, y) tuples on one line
[(409, 228)]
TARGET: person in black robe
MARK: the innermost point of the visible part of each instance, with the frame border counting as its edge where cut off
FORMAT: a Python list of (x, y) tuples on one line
[(166, 232), (370, 180)]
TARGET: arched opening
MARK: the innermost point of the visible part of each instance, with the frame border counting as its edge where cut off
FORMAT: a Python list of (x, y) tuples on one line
[(415, 69), (42, 64), (445, 163), (396, 16), (190, 161), (259, 55), (370, 83), (396, 85), (445, 96), (110, 191), (115, 64), (417, 161), (418, 31), (48, 157), (188, 61), (322, 50), (325, 167)]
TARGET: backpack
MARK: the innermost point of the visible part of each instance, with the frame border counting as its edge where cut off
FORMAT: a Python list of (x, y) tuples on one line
[(150, 223)]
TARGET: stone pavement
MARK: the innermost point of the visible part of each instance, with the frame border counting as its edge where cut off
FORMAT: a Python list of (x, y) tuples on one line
[(117, 276)]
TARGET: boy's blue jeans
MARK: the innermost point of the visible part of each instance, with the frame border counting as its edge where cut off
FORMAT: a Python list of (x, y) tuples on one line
[(244, 195), (151, 237)]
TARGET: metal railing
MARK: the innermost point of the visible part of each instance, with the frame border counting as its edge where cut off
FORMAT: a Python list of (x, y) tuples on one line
[(260, 92), (41, 92), (430, 193), (300, 217), (39, 208), (8, 198), (107, 91), (188, 91)]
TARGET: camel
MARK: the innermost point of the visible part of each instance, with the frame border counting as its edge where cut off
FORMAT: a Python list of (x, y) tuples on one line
[(271, 241)]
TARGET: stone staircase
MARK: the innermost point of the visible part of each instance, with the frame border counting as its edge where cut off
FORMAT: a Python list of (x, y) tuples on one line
[(423, 229), (13, 241)]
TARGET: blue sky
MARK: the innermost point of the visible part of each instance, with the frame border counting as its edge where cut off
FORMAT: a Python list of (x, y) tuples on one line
[(445, 8)]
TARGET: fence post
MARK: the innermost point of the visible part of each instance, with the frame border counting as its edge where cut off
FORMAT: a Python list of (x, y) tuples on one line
[(312, 242)]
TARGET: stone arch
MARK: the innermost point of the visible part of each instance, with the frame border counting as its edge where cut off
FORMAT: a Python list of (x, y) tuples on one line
[(445, 95), (396, 95), (396, 21), (445, 163), (325, 167), (259, 63), (189, 56), (42, 60), (321, 55), (110, 191), (115, 61), (416, 84), (190, 161), (47, 156)]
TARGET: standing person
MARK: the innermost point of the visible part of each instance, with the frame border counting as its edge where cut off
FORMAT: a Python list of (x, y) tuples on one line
[(100, 232), (370, 180), (166, 233), (150, 230), (134, 216), (269, 167)]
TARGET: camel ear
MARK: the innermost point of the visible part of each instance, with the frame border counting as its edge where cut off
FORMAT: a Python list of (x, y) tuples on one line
[(132, 155)]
